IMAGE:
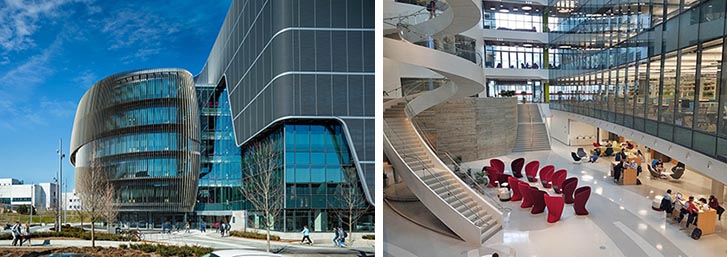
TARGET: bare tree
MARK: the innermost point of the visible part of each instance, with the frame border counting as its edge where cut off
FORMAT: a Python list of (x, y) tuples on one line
[(109, 212), (80, 214), (93, 186), (263, 184), (352, 199)]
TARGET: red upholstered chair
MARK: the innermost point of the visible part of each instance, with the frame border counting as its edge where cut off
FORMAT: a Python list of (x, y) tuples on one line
[(492, 174), (503, 178), (538, 200), (596, 144), (498, 165), (514, 182), (527, 197), (531, 170), (545, 173), (569, 187), (517, 167), (558, 178), (555, 207), (581, 197)]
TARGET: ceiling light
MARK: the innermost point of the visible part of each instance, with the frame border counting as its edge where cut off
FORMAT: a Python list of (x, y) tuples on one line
[(565, 46), (526, 8), (527, 13), (528, 45), (537, 10), (492, 8), (504, 10)]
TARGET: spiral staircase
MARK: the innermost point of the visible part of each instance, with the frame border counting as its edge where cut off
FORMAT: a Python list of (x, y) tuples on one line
[(457, 205)]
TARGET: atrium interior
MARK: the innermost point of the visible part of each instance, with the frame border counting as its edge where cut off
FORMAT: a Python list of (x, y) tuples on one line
[(554, 128)]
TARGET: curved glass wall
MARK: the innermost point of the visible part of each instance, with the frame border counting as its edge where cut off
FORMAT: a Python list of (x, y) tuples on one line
[(141, 129), (655, 67)]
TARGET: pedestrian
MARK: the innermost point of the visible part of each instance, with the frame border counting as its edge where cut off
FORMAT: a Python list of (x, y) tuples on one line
[(342, 237), (335, 236), (17, 237), (217, 227), (188, 226), (306, 235), (26, 234), (228, 228), (203, 227), (432, 8), (222, 229)]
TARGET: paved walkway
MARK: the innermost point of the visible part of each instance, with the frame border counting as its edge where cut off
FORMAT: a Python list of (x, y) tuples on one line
[(212, 239)]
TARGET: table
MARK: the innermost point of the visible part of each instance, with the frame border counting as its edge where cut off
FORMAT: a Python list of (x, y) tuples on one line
[(706, 221), (628, 177)]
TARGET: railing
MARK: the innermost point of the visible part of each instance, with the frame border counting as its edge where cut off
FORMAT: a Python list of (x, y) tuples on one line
[(396, 140), (465, 171), (408, 91)]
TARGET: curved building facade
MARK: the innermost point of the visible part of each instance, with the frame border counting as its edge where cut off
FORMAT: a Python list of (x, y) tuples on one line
[(142, 129)]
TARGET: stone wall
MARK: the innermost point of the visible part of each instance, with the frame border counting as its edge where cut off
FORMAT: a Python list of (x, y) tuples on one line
[(473, 128)]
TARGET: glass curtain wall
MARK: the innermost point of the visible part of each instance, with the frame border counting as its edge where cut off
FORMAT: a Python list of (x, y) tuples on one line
[(658, 69)]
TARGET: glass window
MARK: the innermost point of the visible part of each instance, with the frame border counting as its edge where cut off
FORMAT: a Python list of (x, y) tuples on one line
[(710, 70), (687, 80), (666, 109)]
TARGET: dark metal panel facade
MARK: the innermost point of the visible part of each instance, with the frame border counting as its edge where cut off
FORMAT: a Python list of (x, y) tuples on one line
[(142, 129)]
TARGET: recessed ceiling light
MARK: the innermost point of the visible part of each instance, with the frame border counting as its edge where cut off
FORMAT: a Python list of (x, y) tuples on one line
[(526, 8), (527, 13), (527, 45), (504, 10), (493, 8), (537, 10), (514, 9)]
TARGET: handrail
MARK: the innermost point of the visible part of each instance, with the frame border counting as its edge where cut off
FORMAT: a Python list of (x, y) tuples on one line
[(405, 93), (474, 182), (479, 221)]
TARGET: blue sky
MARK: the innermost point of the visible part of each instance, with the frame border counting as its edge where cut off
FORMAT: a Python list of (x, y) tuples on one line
[(52, 51)]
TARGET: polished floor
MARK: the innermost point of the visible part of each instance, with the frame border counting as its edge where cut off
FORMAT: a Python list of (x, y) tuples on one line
[(621, 221)]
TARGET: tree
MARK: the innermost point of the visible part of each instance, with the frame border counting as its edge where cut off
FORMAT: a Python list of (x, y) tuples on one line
[(109, 212), (263, 184), (26, 209), (80, 214), (94, 190), (352, 200)]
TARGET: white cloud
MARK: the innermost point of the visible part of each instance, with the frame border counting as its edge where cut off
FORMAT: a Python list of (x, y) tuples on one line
[(86, 79), (21, 18)]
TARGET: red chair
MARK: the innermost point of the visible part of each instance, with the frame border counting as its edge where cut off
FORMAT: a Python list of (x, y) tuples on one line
[(555, 207), (517, 167), (498, 165), (545, 175), (503, 179), (558, 178), (581, 197), (538, 200), (492, 174), (596, 144), (514, 185), (527, 197), (531, 170), (569, 187)]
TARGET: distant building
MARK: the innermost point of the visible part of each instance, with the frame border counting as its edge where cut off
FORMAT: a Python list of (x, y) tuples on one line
[(71, 202), (14, 193)]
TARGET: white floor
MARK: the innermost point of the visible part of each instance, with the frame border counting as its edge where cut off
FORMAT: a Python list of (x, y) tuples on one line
[(621, 221)]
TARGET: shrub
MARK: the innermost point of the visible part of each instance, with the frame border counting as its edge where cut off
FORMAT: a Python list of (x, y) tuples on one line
[(171, 250), (368, 237), (123, 246), (254, 235)]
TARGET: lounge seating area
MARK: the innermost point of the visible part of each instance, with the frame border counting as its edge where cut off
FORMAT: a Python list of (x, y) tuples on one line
[(538, 196)]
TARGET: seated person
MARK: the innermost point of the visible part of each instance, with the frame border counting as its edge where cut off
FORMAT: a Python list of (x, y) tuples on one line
[(594, 157), (714, 204), (667, 203), (702, 206), (690, 209)]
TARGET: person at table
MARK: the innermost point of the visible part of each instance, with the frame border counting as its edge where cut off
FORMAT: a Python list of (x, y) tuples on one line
[(702, 205), (714, 204), (639, 154), (621, 155), (667, 203), (635, 166), (617, 170), (594, 156), (689, 209)]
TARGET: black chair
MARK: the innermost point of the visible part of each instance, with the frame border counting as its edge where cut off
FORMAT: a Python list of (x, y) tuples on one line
[(581, 152), (608, 152), (653, 172), (575, 156), (679, 165), (678, 173)]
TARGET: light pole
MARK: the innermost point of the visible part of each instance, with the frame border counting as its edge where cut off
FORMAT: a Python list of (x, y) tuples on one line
[(60, 181)]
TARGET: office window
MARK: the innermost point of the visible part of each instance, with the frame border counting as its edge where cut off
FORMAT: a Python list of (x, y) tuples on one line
[(710, 70)]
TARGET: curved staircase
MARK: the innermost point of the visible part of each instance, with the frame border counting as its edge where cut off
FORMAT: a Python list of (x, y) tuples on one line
[(457, 205)]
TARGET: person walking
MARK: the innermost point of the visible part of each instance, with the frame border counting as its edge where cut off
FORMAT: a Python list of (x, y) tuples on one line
[(306, 235), (342, 237), (432, 8), (228, 227), (335, 236), (222, 229), (187, 227), (17, 237), (217, 227), (26, 234), (203, 227)]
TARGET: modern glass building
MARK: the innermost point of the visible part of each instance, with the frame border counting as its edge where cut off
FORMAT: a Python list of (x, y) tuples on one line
[(656, 67), (302, 69), (141, 129), (298, 71)]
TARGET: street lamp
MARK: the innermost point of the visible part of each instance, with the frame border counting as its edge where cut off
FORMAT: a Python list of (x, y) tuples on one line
[(60, 181)]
